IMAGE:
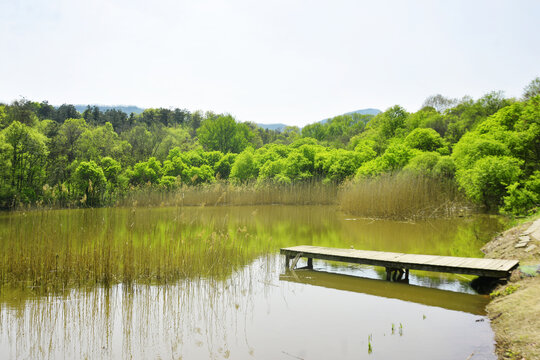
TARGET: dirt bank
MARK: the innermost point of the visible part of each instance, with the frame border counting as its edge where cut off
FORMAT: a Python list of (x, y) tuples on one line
[(515, 309)]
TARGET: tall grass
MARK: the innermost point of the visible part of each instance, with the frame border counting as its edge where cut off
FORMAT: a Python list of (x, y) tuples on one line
[(222, 193), (50, 250), (402, 196)]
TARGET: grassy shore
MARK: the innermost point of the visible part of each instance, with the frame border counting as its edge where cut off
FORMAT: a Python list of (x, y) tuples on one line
[(515, 309)]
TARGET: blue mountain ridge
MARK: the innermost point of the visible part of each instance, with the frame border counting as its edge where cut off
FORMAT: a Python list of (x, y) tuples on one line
[(280, 127), (128, 109)]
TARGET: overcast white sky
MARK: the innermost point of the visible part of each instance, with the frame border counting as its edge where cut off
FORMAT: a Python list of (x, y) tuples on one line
[(289, 61)]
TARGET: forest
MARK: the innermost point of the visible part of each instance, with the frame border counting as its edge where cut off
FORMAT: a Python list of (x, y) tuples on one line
[(58, 157)]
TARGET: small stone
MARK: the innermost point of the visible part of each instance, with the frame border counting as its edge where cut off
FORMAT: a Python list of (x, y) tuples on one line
[(524, 238), (530, 248), (520, 245)]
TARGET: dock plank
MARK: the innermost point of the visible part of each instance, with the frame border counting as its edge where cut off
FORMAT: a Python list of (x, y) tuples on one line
[(450, 264)]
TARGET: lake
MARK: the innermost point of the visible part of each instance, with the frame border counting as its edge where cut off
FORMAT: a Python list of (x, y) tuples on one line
[(209, 283)]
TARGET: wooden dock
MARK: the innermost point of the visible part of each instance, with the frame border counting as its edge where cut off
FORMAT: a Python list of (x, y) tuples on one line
[(398, 265)]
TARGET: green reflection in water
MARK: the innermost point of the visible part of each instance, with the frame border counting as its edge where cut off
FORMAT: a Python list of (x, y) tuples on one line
[(203, 282), (52, 250), (252, 314)]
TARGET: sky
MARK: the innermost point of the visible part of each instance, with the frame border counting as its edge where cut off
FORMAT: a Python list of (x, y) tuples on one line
[(277, 61)]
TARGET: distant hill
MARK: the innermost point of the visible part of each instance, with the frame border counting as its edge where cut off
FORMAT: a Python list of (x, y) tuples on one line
[(128, 109), (368, 111), (278, 127)]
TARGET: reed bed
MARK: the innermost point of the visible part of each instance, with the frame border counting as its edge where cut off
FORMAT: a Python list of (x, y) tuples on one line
[(222, 193), (50, 250), (402, 197)]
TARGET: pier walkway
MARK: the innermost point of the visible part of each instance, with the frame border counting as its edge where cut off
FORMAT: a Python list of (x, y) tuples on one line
[(398, 265)]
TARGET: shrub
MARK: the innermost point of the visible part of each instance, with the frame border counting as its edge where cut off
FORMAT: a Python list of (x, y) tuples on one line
[(487, 181), (523, 198)]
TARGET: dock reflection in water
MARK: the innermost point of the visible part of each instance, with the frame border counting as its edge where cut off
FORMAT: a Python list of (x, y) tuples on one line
[(451, 300)]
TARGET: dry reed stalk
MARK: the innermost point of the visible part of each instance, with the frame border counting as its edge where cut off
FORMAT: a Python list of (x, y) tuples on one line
[(402, 196), (48, 251), (222, 193)]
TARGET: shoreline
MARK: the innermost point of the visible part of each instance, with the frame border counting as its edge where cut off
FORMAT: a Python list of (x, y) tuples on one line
[(514, 310)]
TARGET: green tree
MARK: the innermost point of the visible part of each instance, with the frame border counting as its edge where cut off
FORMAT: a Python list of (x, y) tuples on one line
[(223, 167), (197, 175), (423, 163), (45, 111), (439, 103), (473, 147), (391, 121), (22, 111), (315, 131), (66, 111), (487, 181), (111, 169), (523, 197), (298, 167), (533, 89), (90, 182), (171, 138), (174, 167), (26, 151), (338, 164), (222, 134), (142, 142), (68, 135), (3, 117), (244, 168), (396, 156), (425, 140), (146, 172), (101, 141)]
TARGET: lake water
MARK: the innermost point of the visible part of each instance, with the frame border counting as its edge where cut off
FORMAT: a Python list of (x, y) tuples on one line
[(249, 307)]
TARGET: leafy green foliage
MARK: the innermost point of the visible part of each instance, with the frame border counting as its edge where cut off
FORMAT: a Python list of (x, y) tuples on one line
[(396, 156), (90, 182), (198, 175), (523, 197), (423, 163), (490, 147), (223, 167), (244, 168), (424, 139), (533, 89), (222, 134), (24, 152), (487, 180), (147, 172)]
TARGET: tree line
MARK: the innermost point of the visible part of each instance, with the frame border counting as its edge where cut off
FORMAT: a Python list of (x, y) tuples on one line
[(490, 147)]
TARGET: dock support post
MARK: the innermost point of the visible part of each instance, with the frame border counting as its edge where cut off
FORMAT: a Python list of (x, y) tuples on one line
[(287, 260), (397, 274), (310, 263)]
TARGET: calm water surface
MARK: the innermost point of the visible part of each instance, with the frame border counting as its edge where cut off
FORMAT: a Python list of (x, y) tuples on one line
[(258, 310)]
